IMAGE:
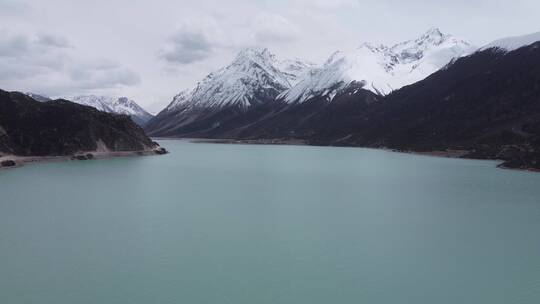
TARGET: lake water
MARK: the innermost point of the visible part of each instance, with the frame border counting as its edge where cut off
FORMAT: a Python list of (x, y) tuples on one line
[(239, 224)]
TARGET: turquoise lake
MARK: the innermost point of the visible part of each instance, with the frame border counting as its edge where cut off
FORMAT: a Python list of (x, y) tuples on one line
[(239, 224)]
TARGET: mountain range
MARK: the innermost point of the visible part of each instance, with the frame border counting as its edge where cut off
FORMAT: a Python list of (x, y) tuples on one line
[(256, 82), (435, 93), (382, 69), (432, 93), (115, 105), (254, 78)]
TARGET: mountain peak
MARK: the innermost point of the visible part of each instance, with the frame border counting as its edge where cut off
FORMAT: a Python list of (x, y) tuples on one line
[(255, 76), (434, 31), (254, 54), (433, 36), (121, 105)]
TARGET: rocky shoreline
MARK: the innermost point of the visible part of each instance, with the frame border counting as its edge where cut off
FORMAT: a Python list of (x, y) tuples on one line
[(15, 161)]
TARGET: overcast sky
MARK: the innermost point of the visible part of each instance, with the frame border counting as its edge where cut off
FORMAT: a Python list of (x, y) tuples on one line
[(151, 50)]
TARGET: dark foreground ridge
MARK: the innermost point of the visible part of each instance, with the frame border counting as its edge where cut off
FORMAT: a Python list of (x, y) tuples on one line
[(29, 128)]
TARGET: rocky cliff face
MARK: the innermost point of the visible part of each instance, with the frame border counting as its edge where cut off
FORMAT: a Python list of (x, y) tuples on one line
[(60, 127)]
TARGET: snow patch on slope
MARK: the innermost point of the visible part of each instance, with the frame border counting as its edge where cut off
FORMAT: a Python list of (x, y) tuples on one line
[(121, 105), (513, 43), (38, 97)]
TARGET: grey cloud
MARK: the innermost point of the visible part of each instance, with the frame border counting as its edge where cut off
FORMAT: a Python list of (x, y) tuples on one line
[(11, 71), (49, 64), (10, 7), (18, 45), (74, 80), (13, 45), (197, 41), (49, 40), (187, 46), (102, 75)]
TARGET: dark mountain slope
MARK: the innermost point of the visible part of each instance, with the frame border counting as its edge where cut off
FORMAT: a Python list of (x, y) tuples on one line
[(317, 120), (487, 103), (28, 127), (190, 121)]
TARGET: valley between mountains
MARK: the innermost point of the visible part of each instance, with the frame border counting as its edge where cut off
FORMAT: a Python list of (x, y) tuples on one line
[(435, 94)]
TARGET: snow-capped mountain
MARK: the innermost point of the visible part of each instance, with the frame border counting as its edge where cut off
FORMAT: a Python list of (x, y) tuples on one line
[(38, 97), (381, 69), (255, 75), (254, 78), (121, 105), (513, 43)]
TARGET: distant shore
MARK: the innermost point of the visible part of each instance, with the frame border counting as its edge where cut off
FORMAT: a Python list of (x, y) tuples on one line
[(298, 142), (280, 142), (458, 154), (447, 154), (14, 161)]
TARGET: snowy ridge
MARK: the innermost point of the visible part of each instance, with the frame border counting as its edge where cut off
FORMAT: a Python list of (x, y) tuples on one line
[(253, 76), (380, 68), (513, 43), (38, 97), (121, 105), (295, 69)]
